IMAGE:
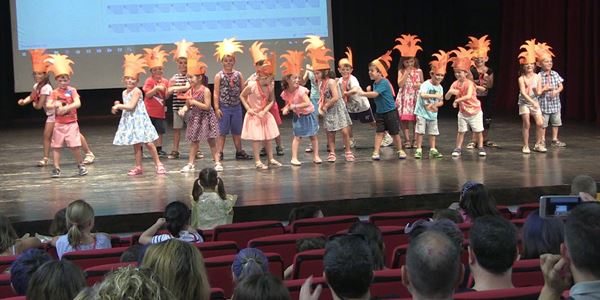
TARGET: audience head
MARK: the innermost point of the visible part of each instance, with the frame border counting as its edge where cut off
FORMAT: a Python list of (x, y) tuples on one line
[(208, 179), (450, 214), (348, 266), (176, 263), (59, 223), (582, 229), (584, 184), (24, 266), (57, 280), (80, 217), (249, 261), (310, 244), (264, 286), (493, 241), (134, 284), (444, 226), (177, 216), (305, 212), (541, 235), (433, 267), (132, 254), (375, 240), (476, 202), (8, 236)]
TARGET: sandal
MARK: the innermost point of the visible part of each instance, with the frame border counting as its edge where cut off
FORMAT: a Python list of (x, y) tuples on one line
[(414, 144), (199, 155), (135, 171), (471, 145), (350, 156), (89, 158), (407, 145), (490, 144), (259, 165), (331, 157), (160, 169), (242, 155), (296, 163), (317, 161), (173, 155), (275, 163), (43, 162)]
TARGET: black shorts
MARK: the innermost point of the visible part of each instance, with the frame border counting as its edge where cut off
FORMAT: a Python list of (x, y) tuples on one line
[(363, 116), (389, 121), (487, 104), (159, 124)]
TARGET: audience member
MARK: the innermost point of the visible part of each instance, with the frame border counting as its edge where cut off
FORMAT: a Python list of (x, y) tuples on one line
[(211, 205), (59, 223), (10, 243), (180, 266), (24, 266), (374, 238), (579, 261), (304, 245), (249, 261), (446, 213), (445, 226), (541, 235), (474, 202), (304, 212), (56, 280), (433, 267), (264, 286), (132, 254), (134, 284), (177, 220), (585, 187)]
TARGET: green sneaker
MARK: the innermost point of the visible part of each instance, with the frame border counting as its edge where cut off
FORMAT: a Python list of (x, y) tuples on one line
[(434, 153), (419, 153)]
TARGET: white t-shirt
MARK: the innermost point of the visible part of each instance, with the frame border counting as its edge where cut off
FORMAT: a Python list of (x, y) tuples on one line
[(45, 90), (101, 241), (356, 103)]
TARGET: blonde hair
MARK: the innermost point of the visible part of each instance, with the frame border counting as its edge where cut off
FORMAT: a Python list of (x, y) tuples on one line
[(8, 236), (79, 216), (180, 267), (133, 284)]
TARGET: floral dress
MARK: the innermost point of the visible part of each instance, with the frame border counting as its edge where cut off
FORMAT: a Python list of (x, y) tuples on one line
[(407, 96), (135, 126)]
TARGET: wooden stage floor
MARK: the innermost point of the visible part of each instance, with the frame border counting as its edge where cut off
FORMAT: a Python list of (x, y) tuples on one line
[(30, 197)]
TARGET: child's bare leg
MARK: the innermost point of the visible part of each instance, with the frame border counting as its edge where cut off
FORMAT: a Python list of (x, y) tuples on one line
[(405, 130), (331, 141), (84, 144), (269, 149), (212, 144), (555, 133), (479, 136), (378, 139), (237, 141), (77, 154), (346, 137), (295, 143), (153, 152), (397, 142), (221, 143), (539, 130), (193, 150), (419, 139), (137, 153), (256, 151), (48, 128), (176, 139), (315, 144), (278, 141), (56, 157), (525, 129), (460, 136), (431, 141)]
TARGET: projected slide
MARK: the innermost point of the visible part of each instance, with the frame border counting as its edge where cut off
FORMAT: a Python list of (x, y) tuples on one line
[(104, 23)]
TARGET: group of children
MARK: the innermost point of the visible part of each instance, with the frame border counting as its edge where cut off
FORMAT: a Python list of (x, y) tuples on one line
[(212, 116)]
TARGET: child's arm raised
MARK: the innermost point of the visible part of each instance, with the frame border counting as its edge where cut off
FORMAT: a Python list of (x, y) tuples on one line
[(41, 102), (147, 235)]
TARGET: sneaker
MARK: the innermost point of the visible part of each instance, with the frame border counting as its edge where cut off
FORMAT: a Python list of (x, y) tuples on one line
[(471, 145), (263, 152), (55, 173), (387, 140), (540, 148), (89, 158), (456, 152), (161, 153), (199, 155), (419, 153), (401, 154), (218, 167), (557, 143), (375, 156), (188, 168), (135, 171), (279, 150), (308, 149), (482, 152), (526, 150), (434, 153), (82, 170), (242, 155), (173, 155), (352, 143)]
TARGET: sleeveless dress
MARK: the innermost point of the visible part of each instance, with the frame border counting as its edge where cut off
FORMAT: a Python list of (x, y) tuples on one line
[(407, 96), (201, 124), (256, 128), (337, 116), (135, 126)]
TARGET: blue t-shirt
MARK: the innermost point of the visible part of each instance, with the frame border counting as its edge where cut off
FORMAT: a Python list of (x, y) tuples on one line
[(428, 88), (385, 100)]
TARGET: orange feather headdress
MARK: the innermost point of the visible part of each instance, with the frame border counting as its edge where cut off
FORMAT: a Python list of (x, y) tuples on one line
[(39, 61), (155, 57), (182, 49), (439, 65), (408, 45), (134, 65), (462, 60), (346, 60), (60, 65), (194, 65), (480, 46), (227, 47), (292, 64), (383, 63)]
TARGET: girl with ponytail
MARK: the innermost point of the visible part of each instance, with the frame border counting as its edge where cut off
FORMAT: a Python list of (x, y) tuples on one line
[(177, 222), (211, 206)]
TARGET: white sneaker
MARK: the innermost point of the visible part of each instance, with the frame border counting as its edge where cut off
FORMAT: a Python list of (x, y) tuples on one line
[(526, 150), (188, 168), (218, 167), (387, 140)]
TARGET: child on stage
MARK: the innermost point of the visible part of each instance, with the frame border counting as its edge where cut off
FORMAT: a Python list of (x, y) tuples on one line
[(178, 85), (226, 98), (65, 102), (304, 122), (258, 97), (529, 87), (135, 127), (386, 114), (358, 106), (429, 100), (202, 122), (465, 98), (410, 77), (155, 90), (550, 92)]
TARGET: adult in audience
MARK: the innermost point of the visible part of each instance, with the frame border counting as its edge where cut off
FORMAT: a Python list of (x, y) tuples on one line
[(373, 236), (348, 267), (541, 235), (177, 220), (56, 280), (265, 286), (180, 267), (474, 202), (10, 243), (80, 221), (304, 212), (433, 267), (492, 252), (134, 284), (24, 266), (249, 261), (443, 225), (585, 187), (579, 261)]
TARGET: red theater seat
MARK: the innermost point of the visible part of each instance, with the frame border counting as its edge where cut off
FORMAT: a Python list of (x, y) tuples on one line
[(525, 209), (326, 225), (96, 274), (217, 248), (308, 263), (522, 293), (6, 261), (527, 272), (5, 287), (294, 286), (284, 244), (89, 258), (399, 218), (388, 283), (243, 232)]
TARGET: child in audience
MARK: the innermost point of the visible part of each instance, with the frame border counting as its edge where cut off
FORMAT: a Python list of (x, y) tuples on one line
[(358, 106), (226, 98), (410, 78), (301, 246), (552, 86), (529, 85), (474, 202), (304, 212), (304, 121), (258, 97), (178, 85), (135, 127), (202, 122), (465, 98), (155, 92), (10, 243), (249, 261), (211, 205), (429, 100), (59, 223), (64, 100), (56, 279), (177, 220), (80, 221), (24, 266)]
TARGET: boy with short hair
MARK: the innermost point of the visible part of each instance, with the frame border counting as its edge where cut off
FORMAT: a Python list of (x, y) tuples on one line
[(155, 92), (179, 84), (551, 88)]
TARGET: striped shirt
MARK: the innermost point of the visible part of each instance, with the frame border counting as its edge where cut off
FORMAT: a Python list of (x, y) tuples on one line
[(549, 104), (178, 98), (184, 236)]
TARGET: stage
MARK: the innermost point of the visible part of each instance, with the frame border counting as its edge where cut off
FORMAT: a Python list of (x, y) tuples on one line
[(125, 204)]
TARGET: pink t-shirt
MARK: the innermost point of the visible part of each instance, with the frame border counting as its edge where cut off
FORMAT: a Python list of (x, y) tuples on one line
[(471, 106), (65, 97), (297, 97), (155, 105)]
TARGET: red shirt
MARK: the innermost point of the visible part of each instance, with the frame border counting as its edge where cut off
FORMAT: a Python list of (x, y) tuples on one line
[(155, 105), (65, 97)]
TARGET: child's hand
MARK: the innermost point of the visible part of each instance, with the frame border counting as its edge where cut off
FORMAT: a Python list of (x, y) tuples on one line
[(251, 112), (161, 221), (113, 110), (261, 114), (219, 113), (321, 111), (308, 67), (182, 112), (455, 104), (368, 88), (285, 111), (21, 102)]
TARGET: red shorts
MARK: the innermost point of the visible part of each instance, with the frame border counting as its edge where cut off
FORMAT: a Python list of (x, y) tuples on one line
[(66, 134)]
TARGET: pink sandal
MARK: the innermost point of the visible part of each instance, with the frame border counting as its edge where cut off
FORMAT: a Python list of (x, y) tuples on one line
[(331, 157), (160, 169), (135, 171), (350, 156)]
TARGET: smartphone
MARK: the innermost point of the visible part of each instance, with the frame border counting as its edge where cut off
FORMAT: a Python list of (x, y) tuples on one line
[(557, 206)]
